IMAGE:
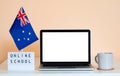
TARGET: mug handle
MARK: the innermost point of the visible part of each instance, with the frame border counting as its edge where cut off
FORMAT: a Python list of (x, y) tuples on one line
[(96, 59)]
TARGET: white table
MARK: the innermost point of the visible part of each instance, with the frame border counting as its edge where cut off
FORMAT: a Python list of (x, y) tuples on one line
[(115, 72)]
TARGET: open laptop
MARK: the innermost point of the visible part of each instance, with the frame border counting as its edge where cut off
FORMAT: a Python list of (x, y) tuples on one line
[(65, 50)]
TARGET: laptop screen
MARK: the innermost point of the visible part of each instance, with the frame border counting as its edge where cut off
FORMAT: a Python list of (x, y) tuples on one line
[(65, 47)]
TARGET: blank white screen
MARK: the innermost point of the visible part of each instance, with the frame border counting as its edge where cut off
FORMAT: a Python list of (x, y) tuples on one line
[(65, 46)]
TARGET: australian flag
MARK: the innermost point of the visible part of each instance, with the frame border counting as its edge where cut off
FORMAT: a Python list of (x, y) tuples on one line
[(22, 31)]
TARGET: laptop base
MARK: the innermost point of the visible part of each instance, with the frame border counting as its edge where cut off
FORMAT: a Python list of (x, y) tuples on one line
[(70, 68)]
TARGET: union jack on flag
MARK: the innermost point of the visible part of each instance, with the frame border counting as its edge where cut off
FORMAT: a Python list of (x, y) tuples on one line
[(22, 31), (22, 16)]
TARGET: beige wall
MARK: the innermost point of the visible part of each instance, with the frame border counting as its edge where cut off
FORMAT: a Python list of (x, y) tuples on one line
[(101, 16)]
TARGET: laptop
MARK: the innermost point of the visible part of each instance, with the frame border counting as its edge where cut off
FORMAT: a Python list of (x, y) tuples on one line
[(65, 50)]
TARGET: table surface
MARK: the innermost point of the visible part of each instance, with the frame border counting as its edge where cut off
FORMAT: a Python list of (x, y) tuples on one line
[(115, 72)]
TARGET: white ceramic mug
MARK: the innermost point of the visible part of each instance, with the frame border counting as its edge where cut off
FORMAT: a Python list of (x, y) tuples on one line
[(104, 61)]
